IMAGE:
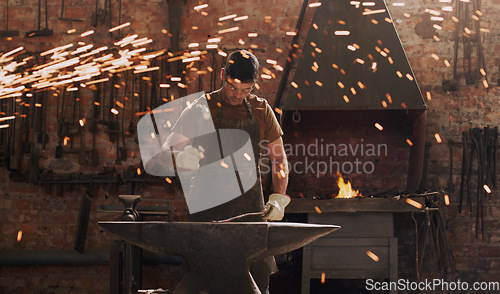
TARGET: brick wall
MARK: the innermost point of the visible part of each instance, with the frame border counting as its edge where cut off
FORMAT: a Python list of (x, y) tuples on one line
[(48, 220)]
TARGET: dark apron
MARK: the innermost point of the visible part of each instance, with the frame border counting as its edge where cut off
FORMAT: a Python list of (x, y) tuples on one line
[(250, 201)]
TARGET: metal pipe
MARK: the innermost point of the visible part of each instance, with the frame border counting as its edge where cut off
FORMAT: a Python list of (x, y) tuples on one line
[(72, 257), (416, 163)]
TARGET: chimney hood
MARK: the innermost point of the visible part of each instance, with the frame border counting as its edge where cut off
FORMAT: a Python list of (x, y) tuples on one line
[(353, 60)]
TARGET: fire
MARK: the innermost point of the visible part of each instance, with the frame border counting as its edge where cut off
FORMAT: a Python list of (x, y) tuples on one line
[(345, 189)]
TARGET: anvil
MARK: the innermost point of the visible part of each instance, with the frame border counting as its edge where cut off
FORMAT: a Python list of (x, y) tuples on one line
[(218, 255)]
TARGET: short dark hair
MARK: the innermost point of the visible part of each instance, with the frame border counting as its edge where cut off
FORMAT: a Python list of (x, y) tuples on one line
[(242, 65)]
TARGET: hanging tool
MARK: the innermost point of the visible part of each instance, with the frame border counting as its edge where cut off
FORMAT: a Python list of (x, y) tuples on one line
[(95, 15), (451, 185), (93, 126), (34, 160), (463, 178), (7, 33), (65, 18), (46, 31), (82, 153)]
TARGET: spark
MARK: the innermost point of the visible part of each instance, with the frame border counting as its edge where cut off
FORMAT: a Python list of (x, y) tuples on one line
[(433, 12), (341, 85), (317, 209), (438, 138), (212, 46), (252, 35), (373, 12), (372, 255), (360, 61), (282, 174), (413, 203), (7, 118), (399, 4), (291, 33), (388, 96), (240, 18), (487, 189), (139, 172), (233, 29), (399, 74), (294, 84), (4, 126), (267, 77), (409, 77), (342, 33), (87, 33), (168, 180), (119, 27), (482, 72), (214, 40), (278, 67), (12, 52), (485, 84), (196, 58), (247, 156), (428, 94), (447, 63), (82, 122), (446, 199), (361, 85), (323, 278), (346, 99), (146, 69), (315, 4), (379, 126), (199, 7), (193, 45), (71, 31), (436, 38), (351, 47), (223, 18), (19, 235), (315, 26), (409, 142), (114, 111), (223, 164)]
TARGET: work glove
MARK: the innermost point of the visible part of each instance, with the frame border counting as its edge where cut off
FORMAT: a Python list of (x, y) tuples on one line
[(190, 157), (274, 210)]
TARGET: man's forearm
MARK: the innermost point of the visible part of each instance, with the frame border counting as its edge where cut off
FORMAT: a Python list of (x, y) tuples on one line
[(280, 176)]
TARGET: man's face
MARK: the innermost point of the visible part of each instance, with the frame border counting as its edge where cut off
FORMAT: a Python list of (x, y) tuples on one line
[(234, 91)]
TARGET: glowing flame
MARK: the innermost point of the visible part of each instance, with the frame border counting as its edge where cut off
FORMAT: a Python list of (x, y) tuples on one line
[(345, 189)]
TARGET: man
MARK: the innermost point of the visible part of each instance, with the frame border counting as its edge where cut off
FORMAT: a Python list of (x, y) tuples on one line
[(234, 107)]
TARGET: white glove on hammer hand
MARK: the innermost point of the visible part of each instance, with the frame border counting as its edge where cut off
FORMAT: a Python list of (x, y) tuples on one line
[(189, 158), (275, 207)]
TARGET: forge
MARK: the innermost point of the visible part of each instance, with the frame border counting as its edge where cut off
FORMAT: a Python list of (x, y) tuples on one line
[(218, 255)]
